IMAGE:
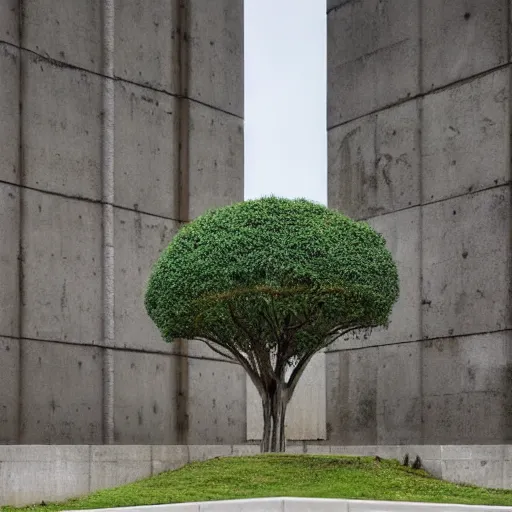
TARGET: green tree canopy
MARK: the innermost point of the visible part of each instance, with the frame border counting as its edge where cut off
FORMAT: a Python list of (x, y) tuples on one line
[(272, 281)]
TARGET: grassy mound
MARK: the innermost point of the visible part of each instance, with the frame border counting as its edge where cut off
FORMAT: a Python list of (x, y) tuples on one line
[(314, 476)]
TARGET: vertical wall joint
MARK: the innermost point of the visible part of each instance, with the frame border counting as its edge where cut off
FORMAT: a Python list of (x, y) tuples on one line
[(183, 26), (108, 219)]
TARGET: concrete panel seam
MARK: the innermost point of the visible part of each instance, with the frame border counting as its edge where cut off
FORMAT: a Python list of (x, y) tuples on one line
[(509, 14), (115, 78), (121, 349), (89, 200), (21, 294), (423, 339), (420, 51), (509, 155), (376, 52), (341, 4), (442, 88), (89, 484), (436, 201), (420, 219), (204, 104), (183, 134)]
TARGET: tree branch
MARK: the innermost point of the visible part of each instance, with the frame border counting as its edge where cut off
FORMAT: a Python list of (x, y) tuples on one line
[(336, 335), (208, 343)]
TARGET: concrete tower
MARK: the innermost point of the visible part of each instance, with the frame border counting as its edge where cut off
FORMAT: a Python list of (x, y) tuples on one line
[(119, 121), (419, 145)]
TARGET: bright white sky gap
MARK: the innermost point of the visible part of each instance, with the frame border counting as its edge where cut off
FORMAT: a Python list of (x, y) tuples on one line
[(285, 99)]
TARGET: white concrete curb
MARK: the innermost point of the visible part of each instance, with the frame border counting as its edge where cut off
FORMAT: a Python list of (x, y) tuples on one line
[(306, 505)]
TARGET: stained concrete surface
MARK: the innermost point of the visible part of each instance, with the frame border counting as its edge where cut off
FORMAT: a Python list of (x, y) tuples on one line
[(146, 44), (61, 271), (61, 393), (138, 241), (434, 178), (146, 144), (146, 411), (82, 140), (61, 128), (462, 39), (9, 389), (9, 113)]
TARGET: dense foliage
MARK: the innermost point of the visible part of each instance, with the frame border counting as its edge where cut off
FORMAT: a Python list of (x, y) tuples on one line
[(272, 281), (304, 260)]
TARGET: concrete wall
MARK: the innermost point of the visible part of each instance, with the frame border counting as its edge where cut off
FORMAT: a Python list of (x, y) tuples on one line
[(117, 124), (30, 474), (419, 145)]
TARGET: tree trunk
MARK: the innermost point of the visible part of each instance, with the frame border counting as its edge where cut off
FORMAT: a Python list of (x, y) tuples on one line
[(274, 404), (267, 424)]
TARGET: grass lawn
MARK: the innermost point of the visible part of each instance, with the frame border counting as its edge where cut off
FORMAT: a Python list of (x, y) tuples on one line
[(321, 476)]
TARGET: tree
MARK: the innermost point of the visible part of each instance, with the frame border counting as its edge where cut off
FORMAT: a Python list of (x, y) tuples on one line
[(268, 283)]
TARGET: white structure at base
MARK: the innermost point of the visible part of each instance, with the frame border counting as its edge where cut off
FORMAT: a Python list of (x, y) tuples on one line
[(307, 505)]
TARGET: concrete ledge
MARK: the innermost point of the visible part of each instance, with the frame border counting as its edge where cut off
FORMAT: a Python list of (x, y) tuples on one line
[(32, 473), (306, 505)]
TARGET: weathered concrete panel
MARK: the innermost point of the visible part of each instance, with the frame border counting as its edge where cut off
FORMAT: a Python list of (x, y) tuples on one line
[(351, 168), (331, 4), (305, 417), (62, 286), (117, 465), (470, 364), (373, 163), (166, 458), (205, 452), (467, 385), (374, 395), (9, 112), (466, 132), (333, 393), (69, 31), (319, 449), (466, 264), (146, 157), (462, 39), (146, 50), (9, 390), (61, 120), (9, 265), (244, 450), (138, 242), (466, 418), (216, 54), (474, 452), (144, 398), (352, 413), (306, 413), (9, 27), (372, 57), (489, 471), (507, 474), (216, 159), (30, 474), (399, 394), (61, 393), (402, 233), (216, 402)]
